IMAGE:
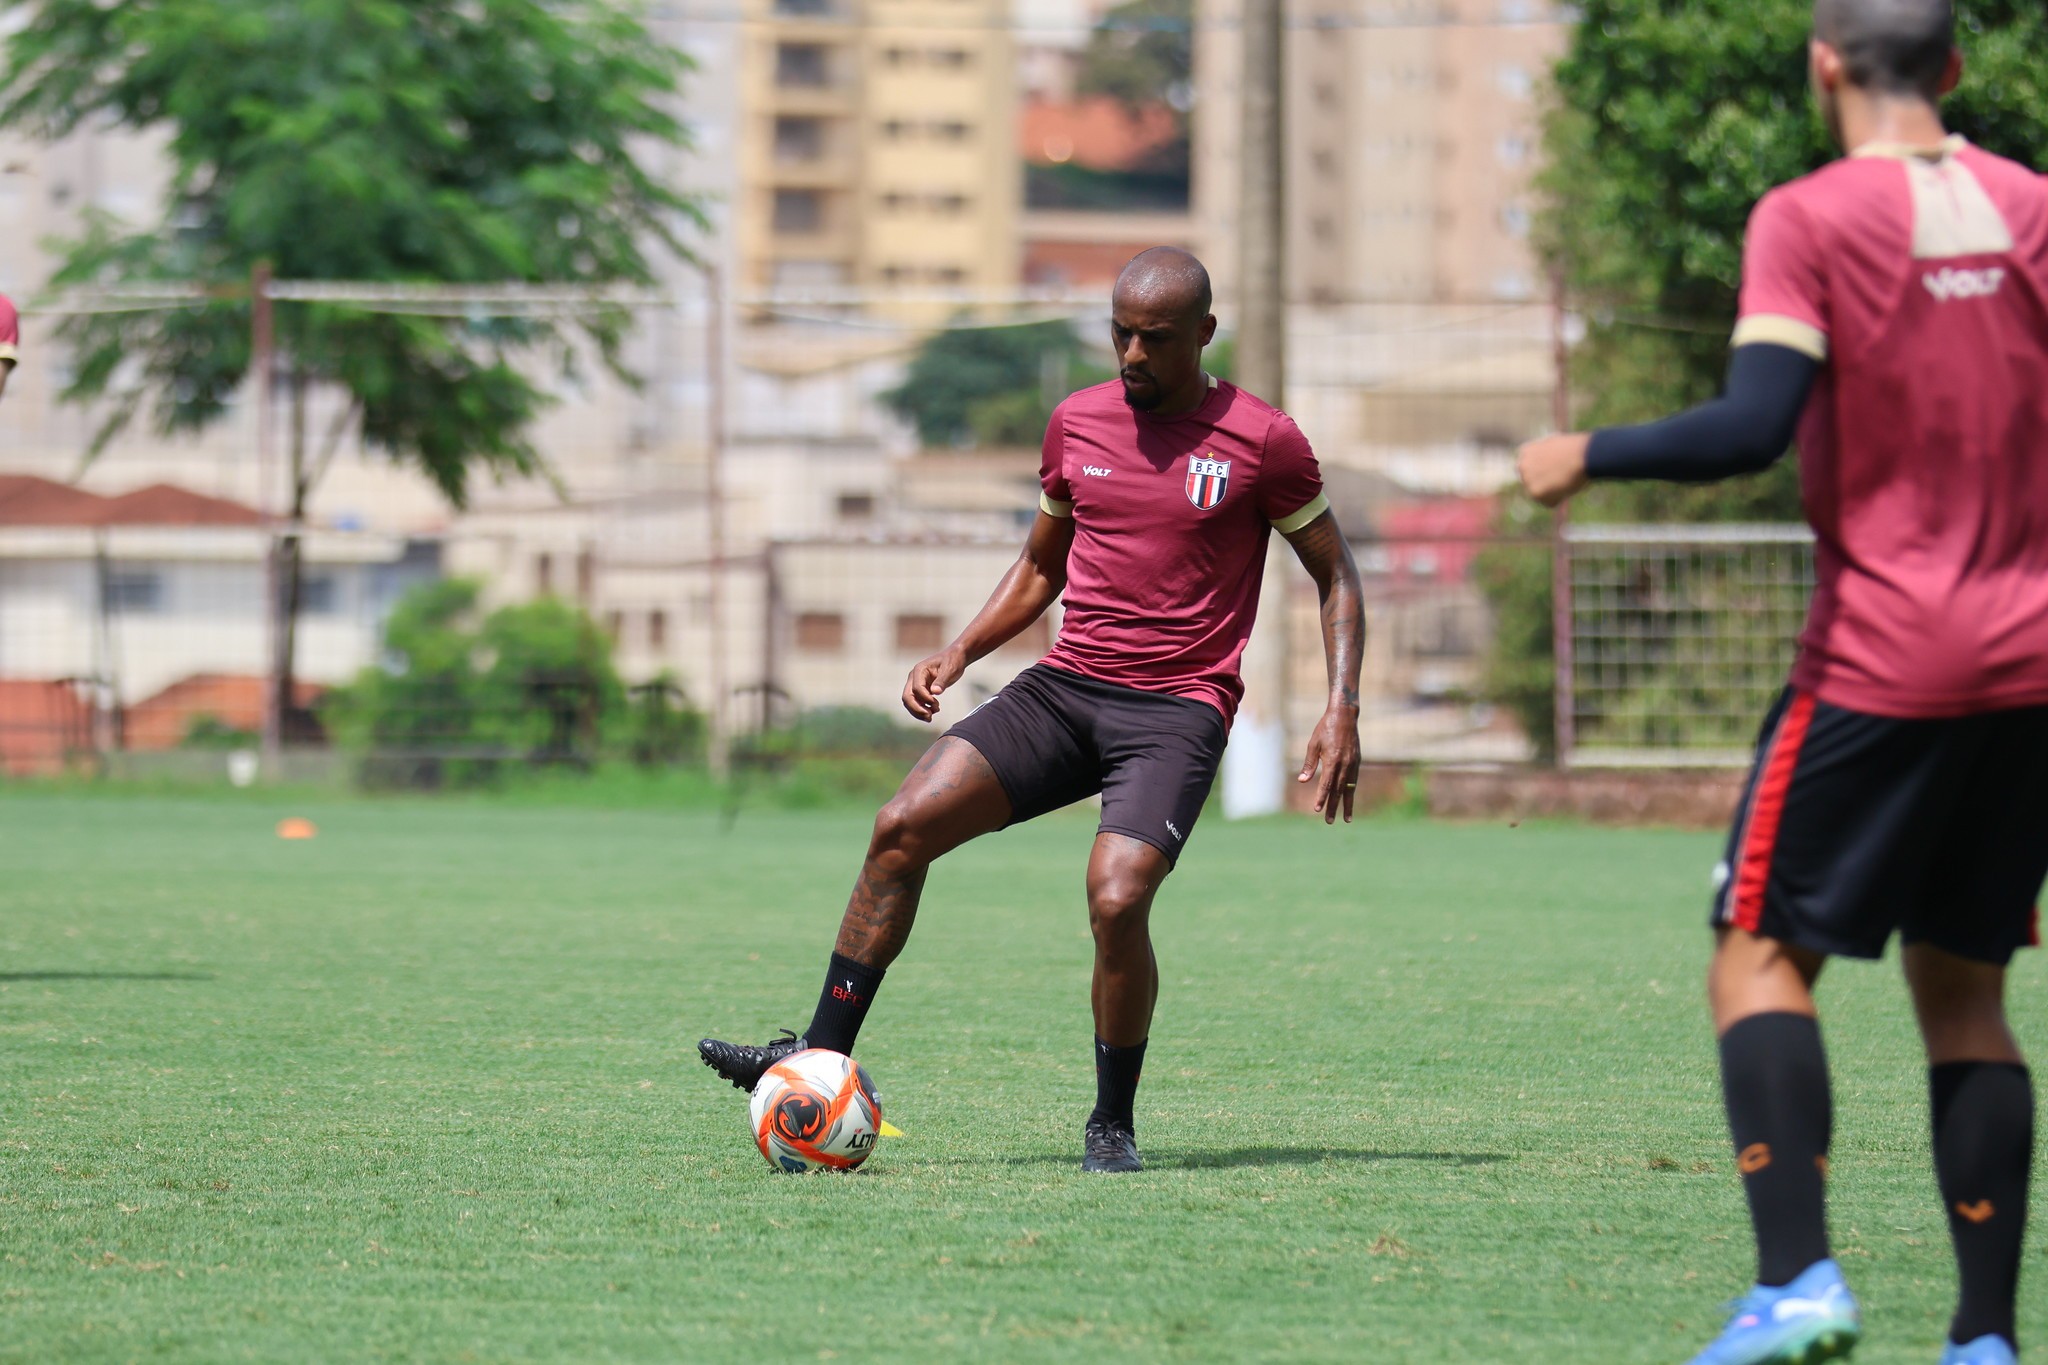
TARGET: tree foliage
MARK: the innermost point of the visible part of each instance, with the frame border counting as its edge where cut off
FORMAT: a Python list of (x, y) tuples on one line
[(1671, 119), (441, 141), (452, 141), (992, 386), (1142, 55), (461, 695)]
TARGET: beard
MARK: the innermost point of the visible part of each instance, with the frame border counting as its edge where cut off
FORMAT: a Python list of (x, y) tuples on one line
[(1144, 401)]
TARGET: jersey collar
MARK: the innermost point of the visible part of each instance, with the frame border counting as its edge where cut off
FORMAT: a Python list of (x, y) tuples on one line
[(1906, 151)]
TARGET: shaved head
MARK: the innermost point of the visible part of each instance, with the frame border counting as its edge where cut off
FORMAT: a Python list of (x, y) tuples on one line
[(1168, 280), (1890, 47)]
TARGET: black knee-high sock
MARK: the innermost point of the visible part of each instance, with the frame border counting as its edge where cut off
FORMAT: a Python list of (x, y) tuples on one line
[(1116, 1082), (843, 1005), (1983, 1154), (1774, 1076)]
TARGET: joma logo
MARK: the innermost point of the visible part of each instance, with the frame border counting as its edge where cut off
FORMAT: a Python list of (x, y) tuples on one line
[(1953, 285)]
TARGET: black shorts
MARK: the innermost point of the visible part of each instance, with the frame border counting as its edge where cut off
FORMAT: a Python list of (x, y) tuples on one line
[(1055, 738), (1855, 826)]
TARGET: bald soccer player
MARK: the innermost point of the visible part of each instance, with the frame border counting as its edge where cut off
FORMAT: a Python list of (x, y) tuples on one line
[(1894, 312), (1160, 489)]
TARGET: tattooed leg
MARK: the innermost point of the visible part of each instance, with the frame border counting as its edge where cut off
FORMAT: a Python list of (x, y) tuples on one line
[(950, 797)]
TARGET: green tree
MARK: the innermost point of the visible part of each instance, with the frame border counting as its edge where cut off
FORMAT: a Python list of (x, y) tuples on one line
[(452, 141), (1670, 120), (992, 386), (1142, 55)]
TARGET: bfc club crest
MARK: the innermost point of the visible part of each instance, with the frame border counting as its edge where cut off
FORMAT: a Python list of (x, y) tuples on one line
[(1207, 481)]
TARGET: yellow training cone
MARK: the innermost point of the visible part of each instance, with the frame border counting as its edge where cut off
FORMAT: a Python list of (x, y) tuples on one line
[(890, 1130)]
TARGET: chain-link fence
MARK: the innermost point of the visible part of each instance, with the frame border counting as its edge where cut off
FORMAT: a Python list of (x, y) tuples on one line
[(1680, 638)]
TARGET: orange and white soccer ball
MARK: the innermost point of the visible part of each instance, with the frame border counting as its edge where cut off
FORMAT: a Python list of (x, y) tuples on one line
[(816, 1111)]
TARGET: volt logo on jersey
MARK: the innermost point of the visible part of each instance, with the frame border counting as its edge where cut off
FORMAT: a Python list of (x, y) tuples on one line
[(1208, 480), (1952, 285)]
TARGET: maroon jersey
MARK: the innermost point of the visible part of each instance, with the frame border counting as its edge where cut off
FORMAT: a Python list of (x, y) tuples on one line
[(1920, 279), (10, 331), (1171, 517)]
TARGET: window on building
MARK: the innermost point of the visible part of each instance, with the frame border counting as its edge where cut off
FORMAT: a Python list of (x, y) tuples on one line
[(951, 205), (952, 130), (799, 139), (657, 630), (135, 590), (320, 594), (1515, 82), (586, 574), (1512, 150), (918, 633), (954, 57), (821, 632), (896, 274), (803, 8), (799, 211), (807, 65), (896, 129), (614, 625), (951, 274), (543, 574), (899, 56), (1515, 218), (896, 201), (856, 506)]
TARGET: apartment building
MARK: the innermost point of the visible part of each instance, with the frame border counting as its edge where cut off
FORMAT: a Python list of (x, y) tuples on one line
[(878, 147), (1413, 131)]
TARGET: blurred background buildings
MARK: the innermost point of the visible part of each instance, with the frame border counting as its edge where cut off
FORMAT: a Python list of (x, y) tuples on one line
[(760, 518)]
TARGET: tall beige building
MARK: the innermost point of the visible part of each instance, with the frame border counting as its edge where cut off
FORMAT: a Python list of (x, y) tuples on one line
[(879, 146), (1412, 134)]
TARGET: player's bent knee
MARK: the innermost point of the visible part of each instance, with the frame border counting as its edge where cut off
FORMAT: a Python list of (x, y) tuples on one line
[(899, 833), (1118, 906)]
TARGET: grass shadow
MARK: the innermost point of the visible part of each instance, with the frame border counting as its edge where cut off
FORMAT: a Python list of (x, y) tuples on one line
[(106, 976), (1241, 1157)]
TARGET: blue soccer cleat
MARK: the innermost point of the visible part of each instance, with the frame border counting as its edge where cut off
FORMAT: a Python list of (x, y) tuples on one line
[(1985, 1350), (1812, 1319)]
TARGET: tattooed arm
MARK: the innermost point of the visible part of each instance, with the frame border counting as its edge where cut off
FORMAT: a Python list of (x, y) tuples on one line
[(1333, 749), (1033, 583)]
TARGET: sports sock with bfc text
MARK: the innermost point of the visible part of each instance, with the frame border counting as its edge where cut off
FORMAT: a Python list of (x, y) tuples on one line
[(1774, 1077), (1983, 1152), (843, 1005), (1116, 1083)]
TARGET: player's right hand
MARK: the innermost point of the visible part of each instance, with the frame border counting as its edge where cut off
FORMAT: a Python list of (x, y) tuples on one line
[(928, 681)]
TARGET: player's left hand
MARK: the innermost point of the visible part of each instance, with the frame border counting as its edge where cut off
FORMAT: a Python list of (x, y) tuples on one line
[(1554, 468), (1333, 762)]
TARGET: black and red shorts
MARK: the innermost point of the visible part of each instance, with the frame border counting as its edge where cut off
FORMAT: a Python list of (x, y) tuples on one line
[(1855, 826), (1055, 738)]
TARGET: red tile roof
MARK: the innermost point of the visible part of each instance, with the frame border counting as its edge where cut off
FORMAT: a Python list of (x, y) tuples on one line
[(1097, 132), (26, 500)]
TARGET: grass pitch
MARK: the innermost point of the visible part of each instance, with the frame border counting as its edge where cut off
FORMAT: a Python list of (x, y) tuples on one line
[(423, 1088)]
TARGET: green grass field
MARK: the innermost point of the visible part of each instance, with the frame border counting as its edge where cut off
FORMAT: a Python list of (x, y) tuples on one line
[(423, 1089)]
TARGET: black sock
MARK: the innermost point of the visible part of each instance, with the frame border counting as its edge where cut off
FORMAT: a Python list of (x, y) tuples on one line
[(843, 1005), (1774, 1077), (1116, 1083), (1983, 1151)]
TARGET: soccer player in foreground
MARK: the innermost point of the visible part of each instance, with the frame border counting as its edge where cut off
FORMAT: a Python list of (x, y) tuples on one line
[(1159, 489), (1895, 312)]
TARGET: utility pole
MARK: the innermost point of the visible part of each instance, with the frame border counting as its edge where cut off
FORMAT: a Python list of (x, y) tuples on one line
[(263, 364), (1563, 647), (1255, 767), (714, 505), (1262, 208)]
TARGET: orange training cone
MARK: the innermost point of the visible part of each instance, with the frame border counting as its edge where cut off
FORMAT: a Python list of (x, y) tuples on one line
[(295, 828)]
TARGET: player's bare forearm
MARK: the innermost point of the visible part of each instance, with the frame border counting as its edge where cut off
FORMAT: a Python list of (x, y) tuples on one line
[(1333, 751), (1033, 584)]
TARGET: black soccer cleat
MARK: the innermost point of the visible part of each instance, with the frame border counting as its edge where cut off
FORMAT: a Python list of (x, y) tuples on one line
[(744, 1066), (1109, 1148)]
